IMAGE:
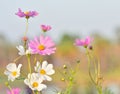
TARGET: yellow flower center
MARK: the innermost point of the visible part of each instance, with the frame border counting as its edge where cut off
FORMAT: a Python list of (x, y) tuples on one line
[(26, 12), (35, 84), (42, 71), (41, 47), (14, 73)]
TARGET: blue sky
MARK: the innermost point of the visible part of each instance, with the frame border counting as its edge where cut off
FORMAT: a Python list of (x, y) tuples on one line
[(72, 16)]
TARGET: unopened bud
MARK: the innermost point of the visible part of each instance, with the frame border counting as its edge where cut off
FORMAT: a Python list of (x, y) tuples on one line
[(65, 72), (71, 78), (78, 61), (7, 84), (62, 79), (64, 66), (25, 38), (90, 47)]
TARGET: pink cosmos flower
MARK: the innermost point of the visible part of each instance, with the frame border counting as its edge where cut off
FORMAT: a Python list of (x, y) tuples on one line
[(85, 42), (26, 14), (45, 27), (42, 45), (14, 91)]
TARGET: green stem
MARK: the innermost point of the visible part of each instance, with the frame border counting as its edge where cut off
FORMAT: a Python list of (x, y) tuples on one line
[(99, 90), (97, 72), (17, 59), (10, 89), (36, 92), (29, 64), (89, 69), (26, 28)]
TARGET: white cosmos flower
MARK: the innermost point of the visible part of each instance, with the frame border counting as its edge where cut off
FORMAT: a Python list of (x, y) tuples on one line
[(44, 71), (12, 71), (22, 50), (34, 82)]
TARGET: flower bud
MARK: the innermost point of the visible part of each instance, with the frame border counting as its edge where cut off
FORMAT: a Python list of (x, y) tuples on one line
[(65, 72), (71, 78), (25, 38), (64, 66), (7, 84), (62, 79), (90, 47)]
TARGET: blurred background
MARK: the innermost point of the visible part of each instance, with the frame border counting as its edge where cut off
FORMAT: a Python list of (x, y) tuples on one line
[(70, 19)]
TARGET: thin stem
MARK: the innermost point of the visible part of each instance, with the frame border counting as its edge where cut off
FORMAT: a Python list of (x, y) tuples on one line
[(29, 64), (17, 59), (35, 59), (87, 53), (97, 72), (96, 68), (99, 88), (10, 89), (26, 28)]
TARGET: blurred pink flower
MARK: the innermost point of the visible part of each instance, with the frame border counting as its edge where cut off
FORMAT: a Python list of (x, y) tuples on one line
[(45, 27), (14, 91), (85, 42), (26, 14), (42, 45)]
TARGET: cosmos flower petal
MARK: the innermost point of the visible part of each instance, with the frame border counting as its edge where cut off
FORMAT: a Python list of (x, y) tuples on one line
[(48, 78), (19, 67), (14, 90), (7, 72), (50, 72), (38, 66), (44, 65), (49, 67), (41, 87), (85, 42), (21, 50), (11, 67), (42, 45)]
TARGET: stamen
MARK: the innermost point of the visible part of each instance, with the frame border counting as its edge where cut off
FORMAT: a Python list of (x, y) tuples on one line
[(41, 47), (14, 73), (35, 84), (42, 71)]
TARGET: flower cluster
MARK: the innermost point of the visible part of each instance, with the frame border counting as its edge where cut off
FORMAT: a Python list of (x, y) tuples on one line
[(42, 71), (40, 45)]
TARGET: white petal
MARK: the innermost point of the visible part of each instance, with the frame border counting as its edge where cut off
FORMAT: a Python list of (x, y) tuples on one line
[(47, 78), (41, 87), (11, 67), (49, 67), (44, 64), (19, 66), (50, 72), (26, 81), (11, 78), (33, 77), (21, 50), (7, 72), (37, 67)]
